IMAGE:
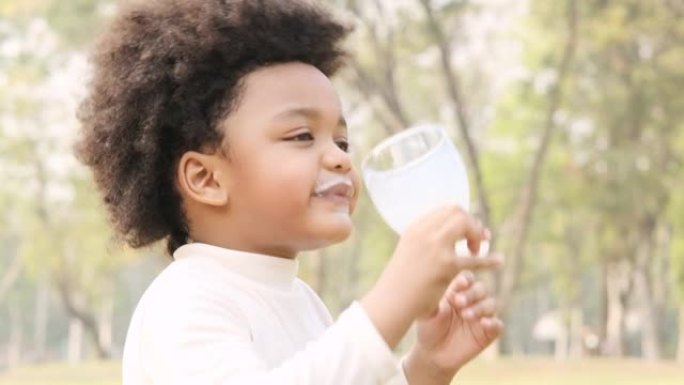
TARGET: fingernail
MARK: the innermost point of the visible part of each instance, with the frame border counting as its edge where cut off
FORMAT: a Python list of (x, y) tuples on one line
[(461, 281), (468, 314), (487, 234)]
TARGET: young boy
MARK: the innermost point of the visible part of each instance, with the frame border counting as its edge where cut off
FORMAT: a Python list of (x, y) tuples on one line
[(213, 125)]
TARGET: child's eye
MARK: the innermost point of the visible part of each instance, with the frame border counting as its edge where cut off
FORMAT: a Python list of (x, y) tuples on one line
[(303, 137), (343, 145)]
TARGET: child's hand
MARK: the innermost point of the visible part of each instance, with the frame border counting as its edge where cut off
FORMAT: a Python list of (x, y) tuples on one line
[(463, 325), (423, 265)]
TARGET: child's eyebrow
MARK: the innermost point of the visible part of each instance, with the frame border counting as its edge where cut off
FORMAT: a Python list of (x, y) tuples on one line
[(306, 112)]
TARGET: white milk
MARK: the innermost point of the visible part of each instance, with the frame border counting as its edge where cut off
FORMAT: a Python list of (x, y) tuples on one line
[(428, 173)]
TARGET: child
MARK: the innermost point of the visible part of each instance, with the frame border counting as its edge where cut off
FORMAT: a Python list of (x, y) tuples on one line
[(213, 125)]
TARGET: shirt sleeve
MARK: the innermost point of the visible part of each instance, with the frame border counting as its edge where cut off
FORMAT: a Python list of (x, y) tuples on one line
[(210, 351), (400, 377)]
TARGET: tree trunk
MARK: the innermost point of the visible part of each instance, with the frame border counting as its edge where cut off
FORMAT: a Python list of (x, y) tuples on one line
[(617, 282), (105, 318), (528, 197), (87, 320), (574, 241), (650, 344), (561, 344), (603, 306), (41, 315), (680, 343), (75, 305), (16, 332), (460, 108), (10, 276), (75, 341), (383, 86), (576, 329)]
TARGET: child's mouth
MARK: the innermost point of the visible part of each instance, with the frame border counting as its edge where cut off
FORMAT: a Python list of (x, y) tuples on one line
[(339, 190)]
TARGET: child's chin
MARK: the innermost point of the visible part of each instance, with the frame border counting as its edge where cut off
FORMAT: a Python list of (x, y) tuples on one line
[(327, 240), (336, 232)]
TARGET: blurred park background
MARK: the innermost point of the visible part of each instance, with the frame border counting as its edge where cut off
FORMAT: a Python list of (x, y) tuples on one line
[(570, 115)]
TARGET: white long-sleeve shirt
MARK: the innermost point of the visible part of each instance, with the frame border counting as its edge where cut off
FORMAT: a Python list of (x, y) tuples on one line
[(217, 317)]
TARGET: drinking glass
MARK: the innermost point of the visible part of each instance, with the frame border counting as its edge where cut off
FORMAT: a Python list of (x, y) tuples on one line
[(413, 172)]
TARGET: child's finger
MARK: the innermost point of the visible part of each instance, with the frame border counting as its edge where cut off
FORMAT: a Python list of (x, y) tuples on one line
[(477, 292), (469, 296), (462, 282), (475, 242), (492, 261), (482, 309), (458, 225), (492, 327)]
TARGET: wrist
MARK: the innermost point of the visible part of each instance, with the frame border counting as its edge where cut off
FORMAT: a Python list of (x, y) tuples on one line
[(420, 369), (388, 313)]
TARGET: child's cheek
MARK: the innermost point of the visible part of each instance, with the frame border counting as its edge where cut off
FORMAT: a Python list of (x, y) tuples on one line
[(355, 199)]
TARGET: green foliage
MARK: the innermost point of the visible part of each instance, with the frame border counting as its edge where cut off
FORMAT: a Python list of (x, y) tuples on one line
[(67, 18), (615, 165), (48, 206)]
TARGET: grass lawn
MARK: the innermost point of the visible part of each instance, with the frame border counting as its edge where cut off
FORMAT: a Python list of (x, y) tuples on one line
[(518, 371), (91, 373), (544, 371)]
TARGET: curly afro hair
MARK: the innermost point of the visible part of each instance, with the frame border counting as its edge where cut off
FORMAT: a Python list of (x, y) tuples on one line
[(165, 73)]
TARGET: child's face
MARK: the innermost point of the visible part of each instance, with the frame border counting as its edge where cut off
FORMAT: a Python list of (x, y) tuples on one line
[(286, 141)]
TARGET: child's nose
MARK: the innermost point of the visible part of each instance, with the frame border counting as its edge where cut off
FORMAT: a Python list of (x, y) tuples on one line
[(337, 159)]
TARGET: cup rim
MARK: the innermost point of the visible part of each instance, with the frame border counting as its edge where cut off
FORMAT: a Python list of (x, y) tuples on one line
[(389, 141)]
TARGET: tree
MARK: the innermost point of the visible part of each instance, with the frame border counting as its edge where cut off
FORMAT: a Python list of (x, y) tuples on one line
[(59, 227)]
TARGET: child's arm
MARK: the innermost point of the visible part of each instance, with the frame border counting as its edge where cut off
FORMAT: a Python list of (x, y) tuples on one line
[(414, 285), (422, 267), (198, 340)]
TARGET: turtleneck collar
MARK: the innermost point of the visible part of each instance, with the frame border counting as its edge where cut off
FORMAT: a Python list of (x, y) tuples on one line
[(273, 271)]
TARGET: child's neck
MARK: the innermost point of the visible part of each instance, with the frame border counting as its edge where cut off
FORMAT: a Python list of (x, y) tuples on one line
[(249, 248)]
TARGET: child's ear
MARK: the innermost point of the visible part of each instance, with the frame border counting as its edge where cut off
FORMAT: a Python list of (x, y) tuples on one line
[(200, 178)]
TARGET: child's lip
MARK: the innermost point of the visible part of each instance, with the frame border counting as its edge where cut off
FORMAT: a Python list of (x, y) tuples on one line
[(339, 190), (340, 186)]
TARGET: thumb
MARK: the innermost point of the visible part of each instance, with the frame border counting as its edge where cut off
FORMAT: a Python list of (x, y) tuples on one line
[(432, 329), (439, 317)]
